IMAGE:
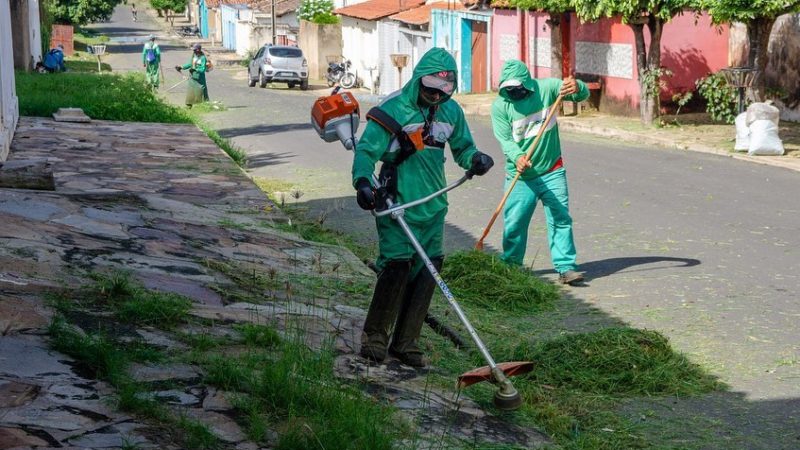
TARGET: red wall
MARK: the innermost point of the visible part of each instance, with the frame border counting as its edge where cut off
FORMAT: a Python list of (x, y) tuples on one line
[(690, 50)]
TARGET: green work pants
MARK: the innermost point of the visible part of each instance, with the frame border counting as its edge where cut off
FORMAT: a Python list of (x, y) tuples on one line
[(551, 189), (152, 75)]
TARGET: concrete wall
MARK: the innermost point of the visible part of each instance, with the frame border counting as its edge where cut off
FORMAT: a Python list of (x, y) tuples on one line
[(606, 48), (361, 46), (316, 41), (9, 108), (25, 30)]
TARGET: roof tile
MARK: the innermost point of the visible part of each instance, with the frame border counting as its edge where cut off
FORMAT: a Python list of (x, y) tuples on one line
[(377, 9), (422, 15)]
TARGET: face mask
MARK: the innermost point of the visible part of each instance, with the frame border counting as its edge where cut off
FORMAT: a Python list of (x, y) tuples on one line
[(517, 92), (430, 96)]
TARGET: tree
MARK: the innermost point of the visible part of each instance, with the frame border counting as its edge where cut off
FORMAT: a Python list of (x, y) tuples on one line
[(556, 9), (317, 11), (164, 7), (759, 17), (81, 12), (638, 14)]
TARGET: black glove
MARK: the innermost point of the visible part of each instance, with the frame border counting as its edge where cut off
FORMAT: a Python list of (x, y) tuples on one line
[(192, 71), (178, 68), (365, 195), (481, 163)]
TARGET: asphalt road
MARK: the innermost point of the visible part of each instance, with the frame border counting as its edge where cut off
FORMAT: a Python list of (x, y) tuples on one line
[(704, 249)]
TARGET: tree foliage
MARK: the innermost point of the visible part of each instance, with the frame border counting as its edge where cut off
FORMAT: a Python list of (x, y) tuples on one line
[(177, 6), (81, 12), (640, 14), (317, 11), (549, 6), (759, 16)]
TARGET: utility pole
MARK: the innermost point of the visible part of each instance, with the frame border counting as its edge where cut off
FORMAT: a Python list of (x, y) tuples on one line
[(272, 18)]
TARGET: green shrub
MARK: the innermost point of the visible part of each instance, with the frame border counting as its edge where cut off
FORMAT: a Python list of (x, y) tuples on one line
[(720, 97)]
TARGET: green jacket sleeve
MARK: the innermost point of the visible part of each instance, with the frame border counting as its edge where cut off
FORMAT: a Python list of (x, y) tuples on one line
[(581, 95), (158, 54), (501, 125), (369, 150), (461, 143), (144, 54)]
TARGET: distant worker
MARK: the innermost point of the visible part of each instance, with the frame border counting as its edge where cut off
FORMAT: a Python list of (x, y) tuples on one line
[(151, 60), (54, 60), (197, 91), (133, 11)]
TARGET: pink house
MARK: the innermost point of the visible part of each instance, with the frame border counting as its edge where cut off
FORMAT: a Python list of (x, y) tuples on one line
[(606, 50)]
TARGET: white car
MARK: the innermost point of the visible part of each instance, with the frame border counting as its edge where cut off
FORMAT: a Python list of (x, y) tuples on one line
[(278, 63)]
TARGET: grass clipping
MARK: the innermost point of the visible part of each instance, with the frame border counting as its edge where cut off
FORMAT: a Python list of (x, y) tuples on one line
[(616, 361), (481, 279)]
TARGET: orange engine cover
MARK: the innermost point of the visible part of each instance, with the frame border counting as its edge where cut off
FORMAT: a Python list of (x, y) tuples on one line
[(333, 106)]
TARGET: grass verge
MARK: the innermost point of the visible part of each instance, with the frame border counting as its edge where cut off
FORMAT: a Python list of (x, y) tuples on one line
[(108, 97)]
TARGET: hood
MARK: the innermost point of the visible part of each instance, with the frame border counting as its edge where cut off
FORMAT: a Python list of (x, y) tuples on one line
[(515, 70), (434, 60)]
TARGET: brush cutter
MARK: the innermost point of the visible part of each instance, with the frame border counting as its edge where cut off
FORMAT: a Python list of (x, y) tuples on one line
[(178, 84), (336, 116), (528, 155)]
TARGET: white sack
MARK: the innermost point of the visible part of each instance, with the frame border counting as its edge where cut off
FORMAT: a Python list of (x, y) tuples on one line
[(742, 133), (764, 139), (762, 111)]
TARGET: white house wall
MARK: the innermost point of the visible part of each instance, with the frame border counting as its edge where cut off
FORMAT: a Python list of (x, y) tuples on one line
[(34, 28), (343, 3), (9, 111), (389, 43), (360, 45)]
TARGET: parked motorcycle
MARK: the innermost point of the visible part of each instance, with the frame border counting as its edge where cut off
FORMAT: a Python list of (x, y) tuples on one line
[(339, 73)]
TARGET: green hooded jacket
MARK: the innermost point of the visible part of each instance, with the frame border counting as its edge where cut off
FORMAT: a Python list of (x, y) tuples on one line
[(516, 123), (422, 173), (198, 63)]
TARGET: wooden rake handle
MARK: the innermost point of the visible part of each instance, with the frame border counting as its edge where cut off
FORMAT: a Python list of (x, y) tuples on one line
[(528, 154)]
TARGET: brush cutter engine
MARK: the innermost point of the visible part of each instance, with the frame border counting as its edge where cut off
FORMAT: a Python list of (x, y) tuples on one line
[(336, 117)]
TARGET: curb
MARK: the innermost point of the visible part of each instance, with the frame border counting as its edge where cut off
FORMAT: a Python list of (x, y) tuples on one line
[(572, 125)]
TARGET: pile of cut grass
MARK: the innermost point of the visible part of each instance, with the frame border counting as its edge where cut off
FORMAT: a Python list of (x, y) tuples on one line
[(615, 361), (483, 280), (578, 380)]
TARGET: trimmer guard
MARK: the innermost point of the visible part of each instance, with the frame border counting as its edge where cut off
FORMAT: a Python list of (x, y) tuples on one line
[(510, 369)]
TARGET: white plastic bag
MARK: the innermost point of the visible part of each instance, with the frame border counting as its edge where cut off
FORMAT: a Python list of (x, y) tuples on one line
[(764, 139), (742, 133), (763, 111)]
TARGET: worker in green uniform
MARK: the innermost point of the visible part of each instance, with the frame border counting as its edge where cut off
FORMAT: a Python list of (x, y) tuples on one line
[(404, 288), (517, 116), (151, 60), (197, 91)]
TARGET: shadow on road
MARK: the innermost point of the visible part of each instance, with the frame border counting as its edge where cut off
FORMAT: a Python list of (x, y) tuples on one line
[(266, 159), (606, 267), (256, 130)]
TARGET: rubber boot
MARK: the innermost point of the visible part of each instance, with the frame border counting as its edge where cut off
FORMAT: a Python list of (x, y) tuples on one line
[(416, 301), (386, 301)]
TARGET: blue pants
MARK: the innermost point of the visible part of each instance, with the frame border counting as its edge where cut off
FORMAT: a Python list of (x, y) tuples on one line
[(551, 189)]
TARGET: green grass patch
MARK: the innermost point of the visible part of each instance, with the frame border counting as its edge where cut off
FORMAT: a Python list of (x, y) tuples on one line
[(482, 279), (294, 391), (97, 355), (103, 97), (236, 154), (133, 304), (260, 336)]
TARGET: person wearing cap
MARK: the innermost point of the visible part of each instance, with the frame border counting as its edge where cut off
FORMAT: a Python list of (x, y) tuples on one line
[(151, 60), (54, 60), (517, 115), (404, 288), (197, 91)]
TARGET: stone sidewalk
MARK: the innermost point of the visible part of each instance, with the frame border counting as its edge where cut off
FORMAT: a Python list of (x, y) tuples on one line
[(695, 134), (162, 202)]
